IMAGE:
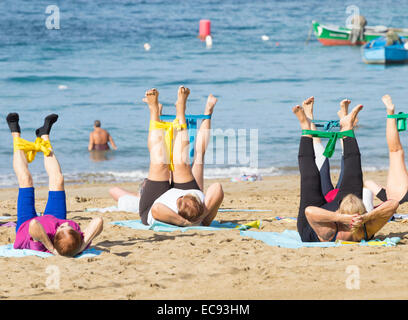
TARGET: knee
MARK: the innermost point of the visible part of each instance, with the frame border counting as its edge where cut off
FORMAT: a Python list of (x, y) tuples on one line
[(25, 180), (368, 183)]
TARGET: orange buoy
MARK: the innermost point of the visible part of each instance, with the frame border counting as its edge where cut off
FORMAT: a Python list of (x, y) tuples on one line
[(205, 29)]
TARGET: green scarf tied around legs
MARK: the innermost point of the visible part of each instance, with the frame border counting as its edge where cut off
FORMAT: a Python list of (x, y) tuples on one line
[(332, 136)]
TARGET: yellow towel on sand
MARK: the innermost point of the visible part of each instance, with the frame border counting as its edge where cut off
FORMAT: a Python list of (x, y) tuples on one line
[(169, 128), (31, 148), (370, 243), (254, 224)]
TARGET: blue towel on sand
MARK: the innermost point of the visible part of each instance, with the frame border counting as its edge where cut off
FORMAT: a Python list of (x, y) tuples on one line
[(164, 227), (9, 252), (291, 239)]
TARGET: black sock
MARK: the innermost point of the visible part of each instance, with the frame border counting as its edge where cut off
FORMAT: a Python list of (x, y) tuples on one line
[(12, 121), (46, 128)]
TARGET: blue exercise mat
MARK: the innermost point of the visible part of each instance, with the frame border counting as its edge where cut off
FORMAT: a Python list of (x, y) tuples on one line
[(291, 239), (164, 227), (9, 252)]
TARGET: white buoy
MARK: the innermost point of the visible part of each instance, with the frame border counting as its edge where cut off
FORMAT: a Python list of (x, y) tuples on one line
[(147, 46), (62, 87), (208, 41), (265, 38)]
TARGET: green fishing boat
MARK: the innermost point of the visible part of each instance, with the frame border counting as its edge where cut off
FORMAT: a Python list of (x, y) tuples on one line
[(332, 35)]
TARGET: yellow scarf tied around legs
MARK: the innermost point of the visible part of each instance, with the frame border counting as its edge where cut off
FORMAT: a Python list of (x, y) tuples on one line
[(169, 137), (31, 148)]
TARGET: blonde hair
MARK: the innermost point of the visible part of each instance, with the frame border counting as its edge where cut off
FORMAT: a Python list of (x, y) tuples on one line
[(352, 204)]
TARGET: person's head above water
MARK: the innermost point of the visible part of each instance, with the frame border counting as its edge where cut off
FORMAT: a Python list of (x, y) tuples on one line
[(352, 204), (97, 123), (190, 207), (67, 241)]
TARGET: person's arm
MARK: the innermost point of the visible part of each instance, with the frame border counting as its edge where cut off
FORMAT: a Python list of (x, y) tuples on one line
[(377, 218), (213, 200), (94, 228), (164, 214), (319, 215), (38, 233), (112, 142), (325, 223), (91, 142)]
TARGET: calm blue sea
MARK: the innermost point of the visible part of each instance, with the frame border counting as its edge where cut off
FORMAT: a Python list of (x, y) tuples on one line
[(95, 67)]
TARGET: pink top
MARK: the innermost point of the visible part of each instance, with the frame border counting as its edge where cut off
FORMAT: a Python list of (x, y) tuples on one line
[(331, 195), (50, 225)]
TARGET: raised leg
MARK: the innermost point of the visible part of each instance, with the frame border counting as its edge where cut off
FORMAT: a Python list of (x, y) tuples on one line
[(397, 180), (20, 163), (352, 181), (310, 184), (321, 161), (202, 140), (53, 168), (182, 169), (26, 199), (158, 170)]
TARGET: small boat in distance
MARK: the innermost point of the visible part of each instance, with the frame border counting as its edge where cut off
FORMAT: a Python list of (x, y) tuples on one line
[(378, 52), (332, 35)]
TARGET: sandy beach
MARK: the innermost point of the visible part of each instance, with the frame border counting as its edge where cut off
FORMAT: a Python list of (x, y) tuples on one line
[(205, 264)]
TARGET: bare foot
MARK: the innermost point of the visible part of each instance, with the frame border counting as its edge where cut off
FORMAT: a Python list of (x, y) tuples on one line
[(344, 104), (182, 96), (303, 120), (152, 99), (209, 107), (308, 107), (348, 122), (388, 103)]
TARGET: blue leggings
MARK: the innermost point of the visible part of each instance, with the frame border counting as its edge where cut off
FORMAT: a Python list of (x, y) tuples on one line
[(56, 205)]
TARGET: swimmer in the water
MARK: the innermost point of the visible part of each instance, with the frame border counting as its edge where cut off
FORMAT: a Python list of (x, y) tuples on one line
[(99, 138)]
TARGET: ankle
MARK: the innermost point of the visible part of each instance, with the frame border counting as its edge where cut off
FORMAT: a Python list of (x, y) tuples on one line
[(390, 111)]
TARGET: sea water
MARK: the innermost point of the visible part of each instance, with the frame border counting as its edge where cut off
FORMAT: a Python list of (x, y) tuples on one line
[(95, 66)]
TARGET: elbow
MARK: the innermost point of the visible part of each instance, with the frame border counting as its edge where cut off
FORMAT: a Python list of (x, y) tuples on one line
[(155, 213), (32, 227), (99, 222), (219, 190), (309, 212), (394, 204)]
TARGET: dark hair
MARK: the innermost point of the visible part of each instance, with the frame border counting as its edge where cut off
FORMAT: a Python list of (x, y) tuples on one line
[(191, 208), (97, 123), (67, 242)]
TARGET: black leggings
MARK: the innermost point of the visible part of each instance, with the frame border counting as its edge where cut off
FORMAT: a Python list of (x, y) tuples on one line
[(311, 188), (382, 195), (325, 178)]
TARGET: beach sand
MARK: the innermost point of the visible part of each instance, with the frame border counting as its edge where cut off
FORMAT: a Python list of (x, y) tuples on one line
[(205, 264)]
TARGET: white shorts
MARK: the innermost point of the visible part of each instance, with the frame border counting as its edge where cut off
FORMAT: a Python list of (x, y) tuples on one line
[(128, 203)]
